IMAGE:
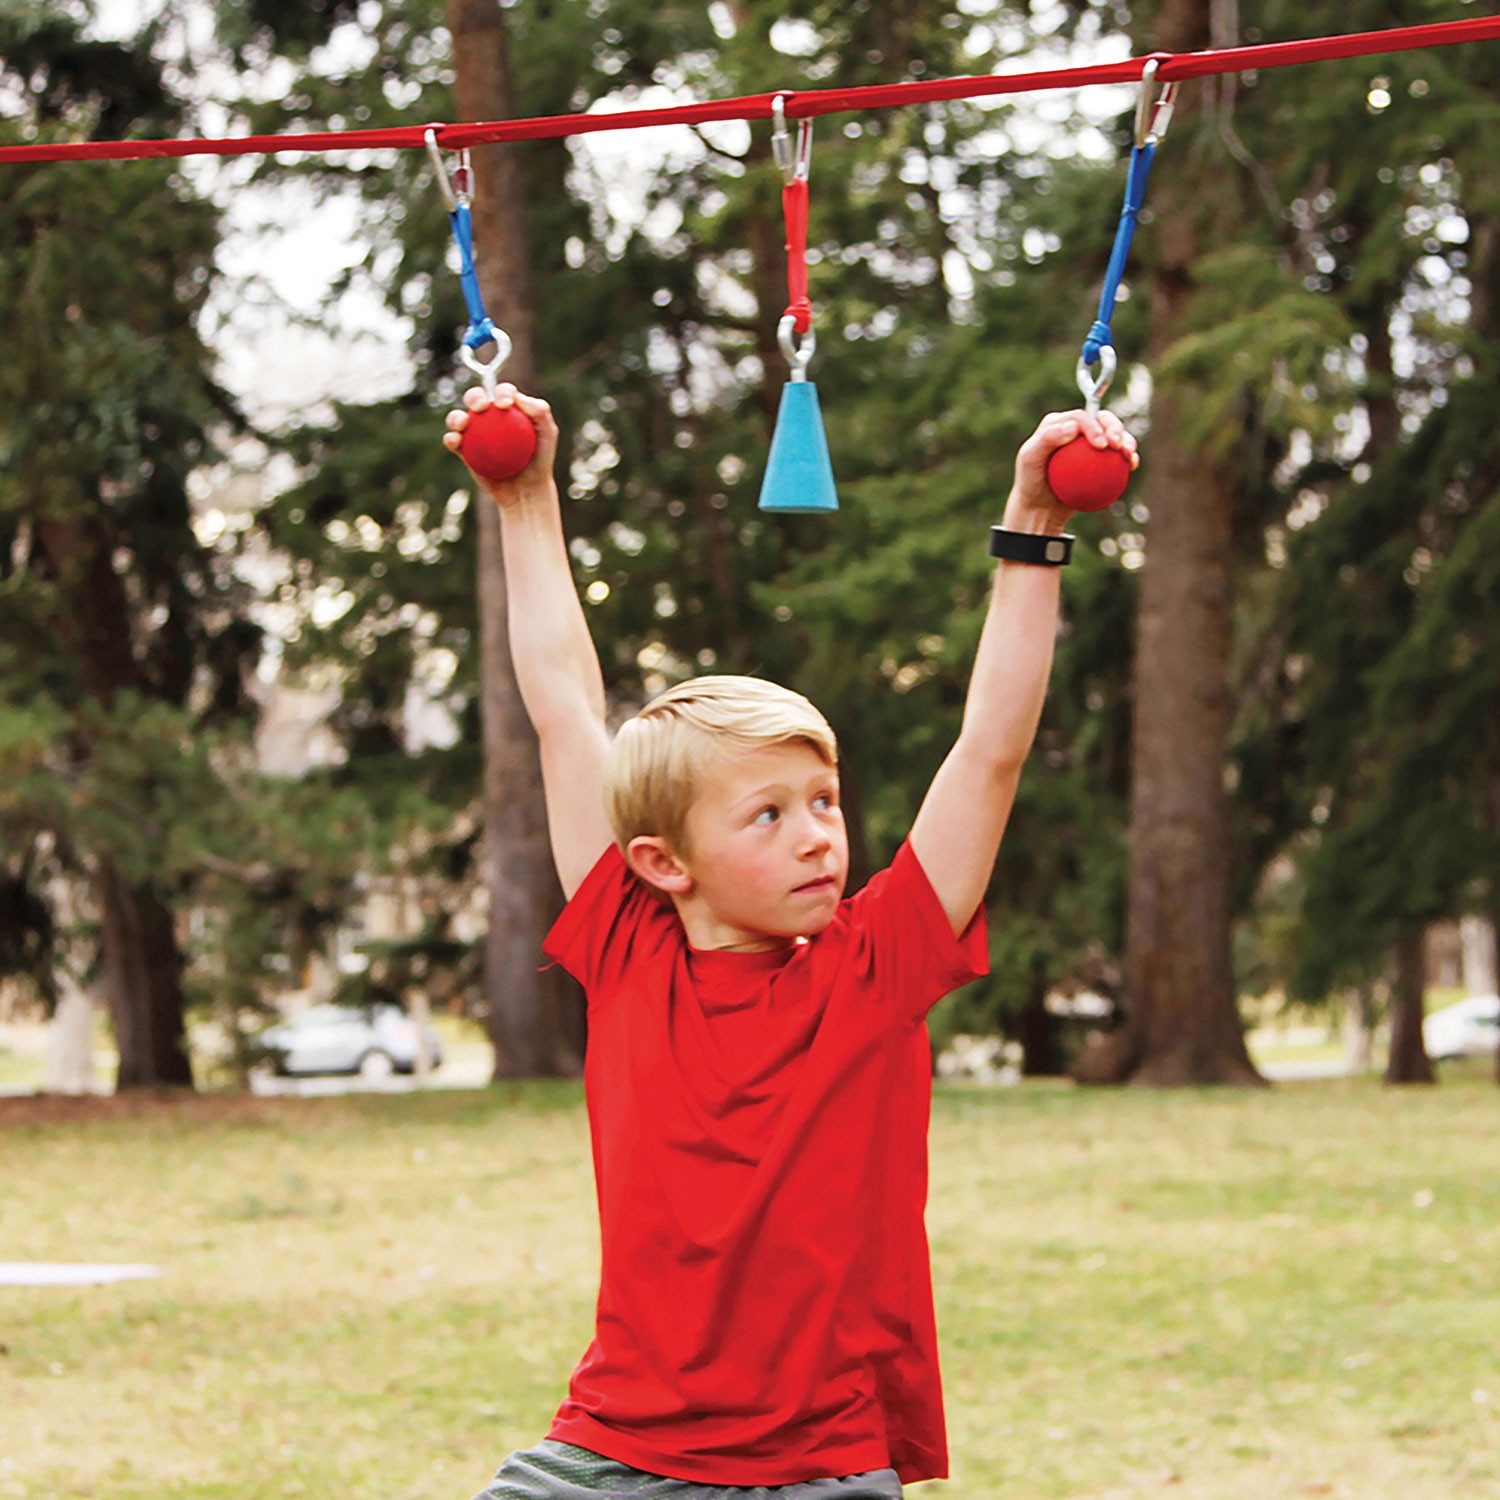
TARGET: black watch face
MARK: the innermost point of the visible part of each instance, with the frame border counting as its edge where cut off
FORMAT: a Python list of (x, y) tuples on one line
[(1017, 546)]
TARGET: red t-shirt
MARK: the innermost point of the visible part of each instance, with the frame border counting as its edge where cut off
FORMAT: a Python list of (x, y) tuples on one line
[(759, 1126)]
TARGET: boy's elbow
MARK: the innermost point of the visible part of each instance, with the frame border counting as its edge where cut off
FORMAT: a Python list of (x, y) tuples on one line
[(563, 709), (996, 760)]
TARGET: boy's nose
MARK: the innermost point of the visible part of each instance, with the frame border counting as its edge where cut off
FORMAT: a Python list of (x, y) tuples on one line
[(813, 836)]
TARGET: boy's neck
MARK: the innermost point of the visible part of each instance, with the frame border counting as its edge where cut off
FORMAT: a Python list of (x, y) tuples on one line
[(708, 933)]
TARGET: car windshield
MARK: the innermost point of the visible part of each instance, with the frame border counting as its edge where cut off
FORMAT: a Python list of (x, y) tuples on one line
[(327, 1015)]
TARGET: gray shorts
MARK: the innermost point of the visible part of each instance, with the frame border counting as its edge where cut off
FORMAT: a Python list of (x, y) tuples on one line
[(559, 1471)]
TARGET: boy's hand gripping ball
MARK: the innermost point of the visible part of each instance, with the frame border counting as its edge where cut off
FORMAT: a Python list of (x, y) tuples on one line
[(1084, 477), (498, 442)]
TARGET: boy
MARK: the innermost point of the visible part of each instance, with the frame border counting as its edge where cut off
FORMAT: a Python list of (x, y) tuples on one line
[(758, 1076)]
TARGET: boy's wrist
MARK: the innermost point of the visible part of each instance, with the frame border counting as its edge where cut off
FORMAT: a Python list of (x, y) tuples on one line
[(530, 494), (1037, 517)]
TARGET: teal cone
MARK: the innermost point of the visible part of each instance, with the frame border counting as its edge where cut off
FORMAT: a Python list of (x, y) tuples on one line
[(799, 474)]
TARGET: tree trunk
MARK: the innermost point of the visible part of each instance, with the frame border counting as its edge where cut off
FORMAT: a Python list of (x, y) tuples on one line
[(1408, 1061), (1182, 1025), (142, 968), (141, 985), (1036, 1031), (534, 1011)]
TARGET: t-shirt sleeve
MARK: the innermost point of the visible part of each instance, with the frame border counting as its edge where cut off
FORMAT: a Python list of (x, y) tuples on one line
[(610, 917), (901, 938)]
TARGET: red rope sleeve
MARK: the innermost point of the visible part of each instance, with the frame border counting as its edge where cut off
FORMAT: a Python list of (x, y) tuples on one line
[(805, 105), (794, 205)]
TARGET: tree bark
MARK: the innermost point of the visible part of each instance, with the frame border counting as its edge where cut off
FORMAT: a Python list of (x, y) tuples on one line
[(534, 1012), (1182, 1025), (141, 985), (1408, 1061)]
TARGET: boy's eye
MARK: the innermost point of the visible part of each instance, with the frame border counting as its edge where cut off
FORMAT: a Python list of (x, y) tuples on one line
[(825, 801), (767, 815)]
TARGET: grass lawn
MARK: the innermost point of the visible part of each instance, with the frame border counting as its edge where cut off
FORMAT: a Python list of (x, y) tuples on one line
[(1219, 1296)]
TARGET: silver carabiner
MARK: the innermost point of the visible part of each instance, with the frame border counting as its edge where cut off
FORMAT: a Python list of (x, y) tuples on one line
[(1094, 386), (797, 358), (456, 193), (1153, 112), (488, 370), (793, 165)]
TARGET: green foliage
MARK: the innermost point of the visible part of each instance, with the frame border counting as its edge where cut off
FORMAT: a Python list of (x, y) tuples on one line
[(1260, 336), (126, 643), (1364, 707), (1401, 729), (1336, 359)]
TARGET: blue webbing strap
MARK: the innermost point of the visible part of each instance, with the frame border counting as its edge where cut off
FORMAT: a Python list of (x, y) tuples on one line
[(481, 329), (1135, 195)]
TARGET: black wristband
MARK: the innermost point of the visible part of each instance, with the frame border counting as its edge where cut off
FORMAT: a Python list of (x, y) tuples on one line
[(1028, 547)]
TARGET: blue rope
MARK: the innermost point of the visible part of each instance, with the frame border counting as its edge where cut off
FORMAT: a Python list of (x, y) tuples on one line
[(1135, 195), (481, 329)]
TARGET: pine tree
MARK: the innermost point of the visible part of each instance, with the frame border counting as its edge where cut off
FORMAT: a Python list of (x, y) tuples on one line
[(109, 616)]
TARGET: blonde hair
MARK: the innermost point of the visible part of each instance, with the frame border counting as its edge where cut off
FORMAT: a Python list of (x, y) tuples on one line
[(657, 761)]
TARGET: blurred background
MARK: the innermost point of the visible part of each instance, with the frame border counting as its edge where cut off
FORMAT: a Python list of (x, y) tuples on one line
[(259, 753)]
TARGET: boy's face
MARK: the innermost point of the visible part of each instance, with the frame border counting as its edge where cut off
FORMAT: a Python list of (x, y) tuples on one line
[(766, 845)]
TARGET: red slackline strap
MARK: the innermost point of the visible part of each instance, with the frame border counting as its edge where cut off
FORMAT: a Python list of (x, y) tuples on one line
[(1174, 66), (794, 206)]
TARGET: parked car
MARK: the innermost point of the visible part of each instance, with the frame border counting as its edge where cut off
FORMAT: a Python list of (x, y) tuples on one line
[(1468, 1028), (372, 1040)]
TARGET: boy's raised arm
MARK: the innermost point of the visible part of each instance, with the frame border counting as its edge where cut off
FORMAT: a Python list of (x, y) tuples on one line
[(557, 668), (957, 832)]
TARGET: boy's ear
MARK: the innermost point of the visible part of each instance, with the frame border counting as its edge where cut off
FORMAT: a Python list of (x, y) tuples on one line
[(652, 859)]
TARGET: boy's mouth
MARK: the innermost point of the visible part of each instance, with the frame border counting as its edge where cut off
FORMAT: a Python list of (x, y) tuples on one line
[(822, 883)]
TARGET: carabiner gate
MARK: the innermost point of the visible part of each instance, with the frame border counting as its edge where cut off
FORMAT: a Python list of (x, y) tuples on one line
[(1094, 386), (793, 165), (457, 192), (798, 359), (1153, 113)]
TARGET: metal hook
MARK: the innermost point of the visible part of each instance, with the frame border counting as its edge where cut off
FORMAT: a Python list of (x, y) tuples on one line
[(798, 359), (792, 165), (488, 370), (456, 194), (1094, 386), (1153, 114)]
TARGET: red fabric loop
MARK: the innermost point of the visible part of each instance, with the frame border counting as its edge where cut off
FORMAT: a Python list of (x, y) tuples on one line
[(794, 206), (802, 105)]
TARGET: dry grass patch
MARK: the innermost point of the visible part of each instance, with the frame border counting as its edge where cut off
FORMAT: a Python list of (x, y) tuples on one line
[(374, 1298)]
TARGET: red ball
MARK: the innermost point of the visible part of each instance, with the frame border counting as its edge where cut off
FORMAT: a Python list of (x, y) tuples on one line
[(498, 442), (1084, 477)]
